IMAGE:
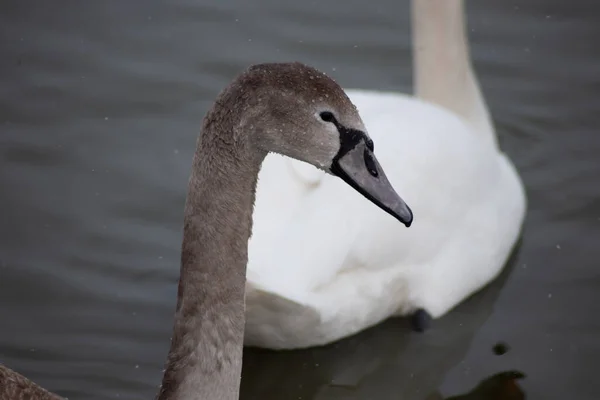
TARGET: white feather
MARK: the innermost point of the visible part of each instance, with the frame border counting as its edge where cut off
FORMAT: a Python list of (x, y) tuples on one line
[(325, 263)]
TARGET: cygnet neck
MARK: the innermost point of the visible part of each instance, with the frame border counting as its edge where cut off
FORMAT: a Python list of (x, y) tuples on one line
[(205, 359)]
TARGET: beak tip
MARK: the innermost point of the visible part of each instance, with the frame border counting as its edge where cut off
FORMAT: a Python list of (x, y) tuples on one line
[(406, 217)]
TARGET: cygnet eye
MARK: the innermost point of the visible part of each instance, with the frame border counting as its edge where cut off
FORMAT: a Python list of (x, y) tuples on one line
[(327, 116)]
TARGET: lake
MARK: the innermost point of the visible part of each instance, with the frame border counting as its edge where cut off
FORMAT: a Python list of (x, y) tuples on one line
[(100, 108)]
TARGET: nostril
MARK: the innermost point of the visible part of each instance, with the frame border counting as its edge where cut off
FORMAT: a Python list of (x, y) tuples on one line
[(370, 164), (370, 145)]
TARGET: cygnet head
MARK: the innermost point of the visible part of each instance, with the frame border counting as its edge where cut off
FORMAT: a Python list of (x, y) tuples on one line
[(298, 111)]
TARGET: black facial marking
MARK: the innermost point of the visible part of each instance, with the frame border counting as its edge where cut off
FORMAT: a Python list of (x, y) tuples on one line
[(349, 139)]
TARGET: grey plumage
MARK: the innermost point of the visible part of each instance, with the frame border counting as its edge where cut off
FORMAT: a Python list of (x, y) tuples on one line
[(269, 107), (14, 386)]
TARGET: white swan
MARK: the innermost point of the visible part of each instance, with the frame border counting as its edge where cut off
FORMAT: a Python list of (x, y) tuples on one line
[(315, 275)]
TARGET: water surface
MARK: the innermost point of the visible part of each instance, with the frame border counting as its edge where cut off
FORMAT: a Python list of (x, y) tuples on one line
[(100, 106)]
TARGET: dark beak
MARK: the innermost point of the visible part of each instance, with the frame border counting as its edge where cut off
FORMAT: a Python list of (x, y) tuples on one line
[(359, 168)]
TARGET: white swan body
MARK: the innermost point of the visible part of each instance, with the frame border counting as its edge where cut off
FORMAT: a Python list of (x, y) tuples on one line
[(309, 285)]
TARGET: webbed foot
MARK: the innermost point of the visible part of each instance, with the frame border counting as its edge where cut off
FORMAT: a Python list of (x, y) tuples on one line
[(420, 320)]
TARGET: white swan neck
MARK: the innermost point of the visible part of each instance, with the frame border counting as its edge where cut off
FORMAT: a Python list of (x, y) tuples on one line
[(443, 73)]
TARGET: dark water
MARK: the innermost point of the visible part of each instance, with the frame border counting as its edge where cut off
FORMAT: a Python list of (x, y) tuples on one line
[(100, 105)]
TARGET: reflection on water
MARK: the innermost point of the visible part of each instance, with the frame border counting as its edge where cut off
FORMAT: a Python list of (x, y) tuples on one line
[(389, 361), (501, 386), (100, 105)]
